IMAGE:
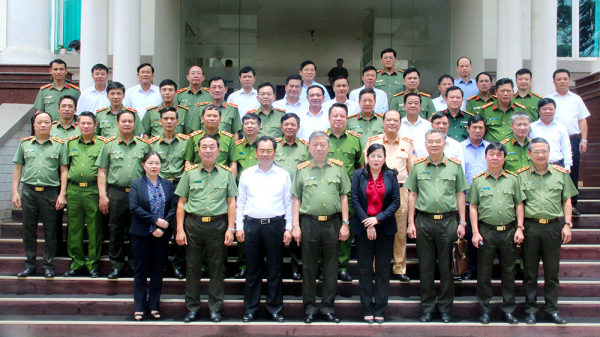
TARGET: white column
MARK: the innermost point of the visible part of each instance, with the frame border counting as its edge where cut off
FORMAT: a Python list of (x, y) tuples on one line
[(510, 51), (126, 48), (28, 33), (543, 44), (94, 39)]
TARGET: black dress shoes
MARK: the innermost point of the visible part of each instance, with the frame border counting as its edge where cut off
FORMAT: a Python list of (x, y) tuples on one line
[(509, 318), (530, 319), (344, 276), (403, 278), (190, 317), (72, 273), (379, 320), (426, 317), (27, 272), (178, 274), (296, 276), (484, 318), (215, 317), (329, 317), (470, 275), (309, 318), (445, 317), (241, 274), (277, 318), (369, 320), (555, 318), (248, 318), (94, 273), (114, 274), (49, 273), (320, 277)]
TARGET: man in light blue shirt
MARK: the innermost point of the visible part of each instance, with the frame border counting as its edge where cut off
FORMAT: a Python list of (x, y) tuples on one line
[(464, 80)]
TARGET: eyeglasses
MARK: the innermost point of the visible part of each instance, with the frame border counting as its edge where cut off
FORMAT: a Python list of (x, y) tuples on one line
[(266, 151), (434, 141), (540, 152), (376, 156)]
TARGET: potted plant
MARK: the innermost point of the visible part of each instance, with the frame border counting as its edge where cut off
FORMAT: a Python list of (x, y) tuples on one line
[(75, 45), (62, 50)]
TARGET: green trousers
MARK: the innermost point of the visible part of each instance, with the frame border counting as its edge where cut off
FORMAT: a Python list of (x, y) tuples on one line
[(39, 206), (83, 206)]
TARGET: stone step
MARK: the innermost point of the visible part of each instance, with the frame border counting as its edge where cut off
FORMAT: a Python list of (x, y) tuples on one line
[(588, 206), (589, 193)]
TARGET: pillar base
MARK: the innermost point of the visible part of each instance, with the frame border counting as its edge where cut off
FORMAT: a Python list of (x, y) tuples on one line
[(26, 55)]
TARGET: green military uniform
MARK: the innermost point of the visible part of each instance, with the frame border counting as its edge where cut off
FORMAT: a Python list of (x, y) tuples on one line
[(545, 193), (474, 103), (427, 107), (436, 223), (59, 131), (151, 121), (319, 191), (230, 118), (226, 147), (187, 98), (530, 101), (517, 156), (107, 122), (497, 122), (458, 125), (365, 128), (290, 155), (205, 226), (496, 200), (41, 187), (390, 83), (123, 163), (245, 155), (270, 125), (83, 198), (49, 95)]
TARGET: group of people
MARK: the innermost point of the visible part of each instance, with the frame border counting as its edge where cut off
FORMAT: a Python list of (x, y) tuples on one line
[(375, 166)]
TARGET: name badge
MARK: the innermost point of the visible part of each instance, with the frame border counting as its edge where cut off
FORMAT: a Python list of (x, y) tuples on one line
[(48, 97), (29, 150), (242, 152), (378, 81), (424, 172), (512, 153), (528, 182), (117, 151), (494, 119), (105, 121), (197, 181), (73, 150), (311, 178), (485, 188)]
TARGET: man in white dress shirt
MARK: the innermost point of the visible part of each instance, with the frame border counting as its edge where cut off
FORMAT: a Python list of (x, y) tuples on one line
[(572, 113), (444, 82), (465, 81), (554, 132), (439, 121), (245, 98), (264, 221), (308, 71), (340, 88), (369, 77), (95, 98), (414, 126), (292, 102), (145, 94), (315, 118)]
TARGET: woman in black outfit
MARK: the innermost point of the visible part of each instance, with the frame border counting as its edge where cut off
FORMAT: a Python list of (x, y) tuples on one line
[(153, 203), (375, 199)]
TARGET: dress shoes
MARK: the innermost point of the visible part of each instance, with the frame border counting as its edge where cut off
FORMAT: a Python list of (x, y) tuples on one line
[(379, 320), (241, 274), (369, 320), (277, 318), (215, 316), (248, 318), (27, 272), (296, 276), (72, 273), (484, 318), (509, 318), (49, 273), (331, 318), (555, 318), (426, 317), (403, 278), (178, 274), (94, 273), (114, 274), (445, 317), (320, 277), (190, 317), (530, 319), (470, 275), (309, 318), (344, 276)]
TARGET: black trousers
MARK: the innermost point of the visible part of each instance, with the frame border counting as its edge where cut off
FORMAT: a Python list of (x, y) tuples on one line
[(149, 253), (264, 240), (382, 250), (120, 221), (39, 205), (472, 252), (575, 168)]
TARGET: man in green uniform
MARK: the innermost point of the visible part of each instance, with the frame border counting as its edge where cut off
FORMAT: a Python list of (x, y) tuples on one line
[(65, 127), (525, 96), (388, 78), (119, 164), (205, 224), (497, 113), (484, 84), (41, 165), (151, 121), (320, 189), (171, 148), (194, 93), (83, 198), (457, 118), (230, 116), (107, 117), (367, 123), (496, 207), (549, 189), (516, 146), (412, 79), (47, 97), (436, 184), (270, 117)]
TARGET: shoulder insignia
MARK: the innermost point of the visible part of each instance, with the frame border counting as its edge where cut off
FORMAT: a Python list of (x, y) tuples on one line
[(106, 140), (303, 165), (472, 97), (239, 142), (537, 95), (26, 138), (45, 86), (380, 115), (425, 94), (55, 123), (191, 167), (225, 167), (494, 96), (206, 88), (400, 70), (72, 138), (226, 134), (153, 139), (192, 134), (505, 141), (407, 139), (183, 107), (354, 134), (73, 86), (420, 160), (58, 140), (523, 169), (371, 139), (398, 94), (277, 140), (487, 105), (354, 115), (130, 109), (253, 111), (478, 175), (182, 89), (520, 105), (101, 109), (233, 105), (202, 103), (337, 162), (141, 139), (152, 107), (183, 136), (468, 113), (561, 169), (511, 173), (278, 109), (303, 141), (454, 160)]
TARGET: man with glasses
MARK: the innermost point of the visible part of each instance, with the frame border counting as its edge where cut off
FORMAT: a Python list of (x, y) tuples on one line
[(388, 78)]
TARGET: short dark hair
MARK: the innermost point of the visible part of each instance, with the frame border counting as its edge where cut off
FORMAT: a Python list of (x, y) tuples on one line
[(207, 136), (145, 65), (368, 68), (367, 91), (544, 101), (411, 70), (294, 77), (438, 115), (453, 88), (290, 115), (561, 70), (62, 98), (483, 73), (252, 116), (315, 86), (266, 138), (307, 62), (476, 119), (87, 114), (338, 105), (443, 77), (537, 140), (167, 109), (59, 61), (410, 94), (523, 71), (115, 85), (212, 107), (35, 116), (167, 82), (337, 78), (388, 50), (496, 146), (216, 78), (463, 57), (340, 59), (125, 111), (247, 70), (503, 81), (100, 66), (266, 84)]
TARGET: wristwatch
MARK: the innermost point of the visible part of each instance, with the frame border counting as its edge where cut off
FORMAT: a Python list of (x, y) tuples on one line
[(584, 140), (521, 227), (346, 222), (570, 224), (462, 223), (231, 229)]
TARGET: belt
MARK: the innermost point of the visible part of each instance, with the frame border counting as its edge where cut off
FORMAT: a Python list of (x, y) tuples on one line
[(86, 184), (120, 188), (174, 181), (265, 221), (542, 221), (437, 216), (560, 163), (323, 217), (499, 228), (40, 188), (577, 135), (206, 218)]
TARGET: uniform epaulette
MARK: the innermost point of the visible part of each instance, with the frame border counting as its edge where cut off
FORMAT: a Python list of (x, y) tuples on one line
[(354, 134), (72, 138), (233, 105), (55, 122), (58, 140), (226, 134), (225, 167), (511, 172), (239, 142), (152, 140), (277, 140), (561, 169), (191, 167), (420, 160), (372, 139), (106, 140), (352, 116), (71, 85), (183, 135), (380, 115), (142, 139), (520, 105), (206, 88), (192, 134), (478, 175), (303, 165), (45, 86), (202, 103), (398, 94), (505, 141), (454, 160), (152, 107), (494, 96), (303, 141), (130, 109), (26, 138), (337, 162), (400, 70), (101, 109), (253, 111), (487, 105), (407, 139), (425, 94), (538, 95), (523, 169), (182, 89), (183, 107), (469, 113), (278, 109), (470, 98)]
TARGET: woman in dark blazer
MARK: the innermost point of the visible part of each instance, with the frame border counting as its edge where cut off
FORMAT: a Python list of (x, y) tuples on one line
[(375, 200), (153, 203)]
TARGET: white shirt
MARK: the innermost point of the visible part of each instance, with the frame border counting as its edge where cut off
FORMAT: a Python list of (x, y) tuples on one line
[(300, 106), (570, 109), (264, 195), (138, 99), (92, 100), (245, 102), (381, 100), (453, 149), (557, 135), (439, 104), (353, 107), (310, 123), (416, 131), (303, 94)]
